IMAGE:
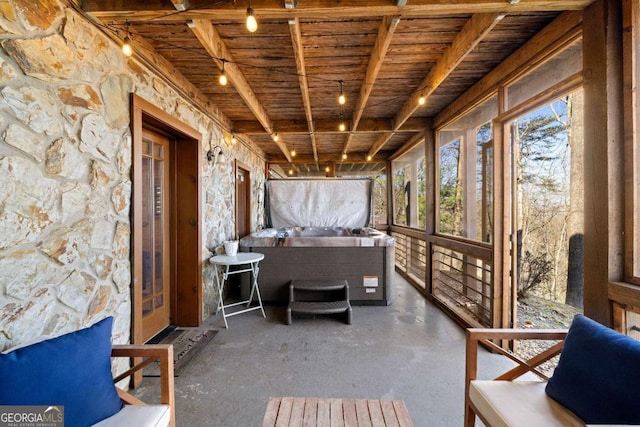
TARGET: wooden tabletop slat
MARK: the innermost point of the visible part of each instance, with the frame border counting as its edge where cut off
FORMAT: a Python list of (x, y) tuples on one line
[(337, 413), (284, 413), (389, 413), (403, 414), (324, 418), (314, 412), (297, 413), (362, 411), (349, 410), (271, 414), (375, 411), (310, 412)]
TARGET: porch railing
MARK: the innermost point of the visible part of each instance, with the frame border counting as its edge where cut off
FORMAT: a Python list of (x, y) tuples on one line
[(411, 255), (460, 273)]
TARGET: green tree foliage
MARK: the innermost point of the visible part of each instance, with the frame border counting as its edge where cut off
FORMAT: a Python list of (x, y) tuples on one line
[(450, 207)]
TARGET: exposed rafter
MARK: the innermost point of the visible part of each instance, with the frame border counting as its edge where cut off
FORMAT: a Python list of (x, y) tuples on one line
[(283, 77), (414, 124), (180, 5), (119, 11), (472, 33), (380, 48), (296, 40), (215, 46)]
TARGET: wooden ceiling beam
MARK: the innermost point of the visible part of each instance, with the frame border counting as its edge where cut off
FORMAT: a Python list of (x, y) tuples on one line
[(136, 11), (357, 158), (471, 34), (383, 40), (181, 5), (220, 54), (253, 127), (296, 40)]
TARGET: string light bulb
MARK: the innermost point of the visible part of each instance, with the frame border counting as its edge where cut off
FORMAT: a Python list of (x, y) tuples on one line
[(127, 50), (368, 158), (223, 76), (252, 24), (344, 156), (327, 169), (342, 126), (421, 100), (290, 172), (275, 137), (233, 139), (341, 98), (293, 152), (126, 47)]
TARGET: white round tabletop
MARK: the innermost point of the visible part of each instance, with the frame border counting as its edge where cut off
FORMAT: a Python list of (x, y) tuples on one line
[(240, 258)]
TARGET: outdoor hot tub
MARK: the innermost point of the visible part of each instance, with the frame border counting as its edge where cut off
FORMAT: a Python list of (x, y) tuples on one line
[(321, 249)]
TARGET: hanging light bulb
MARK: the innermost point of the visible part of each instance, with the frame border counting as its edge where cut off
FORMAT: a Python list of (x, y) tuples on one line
[(327, 169), (290, 171), (233, 139), (293, 152), (422, 100), (223, 76), (368, 158), (252, 24), (275, 137), (341, 98), (344, 156), (127, 50), (342, 127)]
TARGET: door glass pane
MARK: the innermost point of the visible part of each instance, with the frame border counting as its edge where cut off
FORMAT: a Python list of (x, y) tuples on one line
[(158, 167), (147, 225)]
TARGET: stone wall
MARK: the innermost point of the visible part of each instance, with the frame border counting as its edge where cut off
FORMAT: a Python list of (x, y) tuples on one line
[(65, 164)]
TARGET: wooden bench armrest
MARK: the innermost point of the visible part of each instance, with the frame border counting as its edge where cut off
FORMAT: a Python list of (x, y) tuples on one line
[(489, 337), (149, 353)]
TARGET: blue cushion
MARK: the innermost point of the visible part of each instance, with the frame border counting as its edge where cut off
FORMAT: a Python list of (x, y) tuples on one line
[(598, 374), (72, 370)]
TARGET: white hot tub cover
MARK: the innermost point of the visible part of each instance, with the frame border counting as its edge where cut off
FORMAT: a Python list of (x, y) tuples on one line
[(327, 202)]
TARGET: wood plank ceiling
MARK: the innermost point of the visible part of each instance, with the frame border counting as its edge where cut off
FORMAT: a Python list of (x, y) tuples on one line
[(285, 78)]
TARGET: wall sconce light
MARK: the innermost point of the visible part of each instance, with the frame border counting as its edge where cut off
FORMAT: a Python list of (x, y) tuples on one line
[(215, 155)]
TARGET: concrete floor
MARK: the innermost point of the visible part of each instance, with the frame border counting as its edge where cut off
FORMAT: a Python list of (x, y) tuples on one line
[(409, 350)]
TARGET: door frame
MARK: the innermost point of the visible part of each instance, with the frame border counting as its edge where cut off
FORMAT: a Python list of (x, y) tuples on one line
[(238, 167), (185, 221)]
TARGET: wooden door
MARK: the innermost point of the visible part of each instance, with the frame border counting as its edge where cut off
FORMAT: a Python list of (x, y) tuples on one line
[(156, 304), (243, 201)]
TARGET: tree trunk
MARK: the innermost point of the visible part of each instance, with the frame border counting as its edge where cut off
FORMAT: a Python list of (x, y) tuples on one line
[(575, 217)]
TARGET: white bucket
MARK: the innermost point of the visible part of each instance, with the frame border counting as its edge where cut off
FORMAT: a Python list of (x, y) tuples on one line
[(231, 247)]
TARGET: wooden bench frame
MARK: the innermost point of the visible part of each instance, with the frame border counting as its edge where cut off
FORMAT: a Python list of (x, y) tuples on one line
[(143, 355), (489, 338)]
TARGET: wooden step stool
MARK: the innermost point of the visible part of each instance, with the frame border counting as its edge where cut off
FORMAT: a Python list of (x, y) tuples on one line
[(300, 301)]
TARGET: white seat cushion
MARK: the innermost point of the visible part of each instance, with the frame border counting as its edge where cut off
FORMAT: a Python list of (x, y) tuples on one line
[(519, 403), (139, 416)]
